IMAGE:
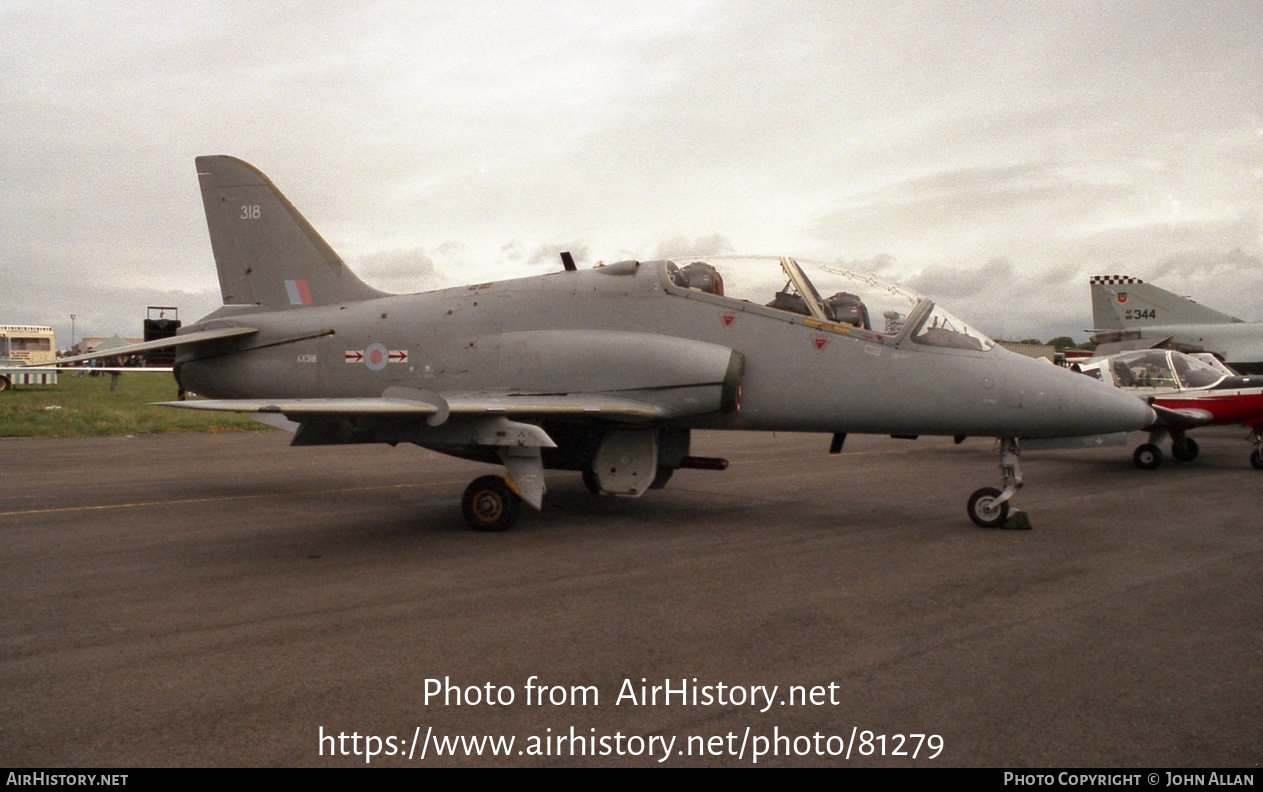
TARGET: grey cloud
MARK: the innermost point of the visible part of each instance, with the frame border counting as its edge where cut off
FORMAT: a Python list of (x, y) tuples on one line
[(941, 281), (917, 138), (995, 203), (881, 264), (398, 270), (1230, 281), (713, 245), (512, 251), (550, 255)]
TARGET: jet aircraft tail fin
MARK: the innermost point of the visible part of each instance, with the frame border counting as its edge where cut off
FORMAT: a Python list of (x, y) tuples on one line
[(1120, 302), (266, 252)]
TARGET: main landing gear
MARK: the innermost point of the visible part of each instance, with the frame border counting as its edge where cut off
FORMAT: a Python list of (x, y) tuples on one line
[(1256, 437), (490, 505), (1149, 455), (989, 507), (1183, 448)]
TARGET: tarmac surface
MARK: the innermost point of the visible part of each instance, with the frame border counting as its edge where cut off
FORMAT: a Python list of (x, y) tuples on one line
[(226, 600)]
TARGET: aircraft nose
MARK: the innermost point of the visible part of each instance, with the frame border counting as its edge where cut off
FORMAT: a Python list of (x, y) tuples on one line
[(1054, 402), (1101, 408)]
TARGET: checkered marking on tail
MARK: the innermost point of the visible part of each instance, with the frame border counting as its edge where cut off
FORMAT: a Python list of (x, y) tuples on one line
[(1112, 280)]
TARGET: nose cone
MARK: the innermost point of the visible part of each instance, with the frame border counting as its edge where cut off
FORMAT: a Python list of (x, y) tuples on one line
[(1053, 402), (1102, 408)]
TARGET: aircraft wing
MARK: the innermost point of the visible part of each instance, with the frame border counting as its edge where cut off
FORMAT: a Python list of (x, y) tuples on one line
[(199, 337), (1184, 416), (113, 369), (558, 404), (403, 402), (308, 407), (466, 419)]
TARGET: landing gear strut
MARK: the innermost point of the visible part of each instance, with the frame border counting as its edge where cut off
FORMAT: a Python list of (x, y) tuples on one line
[(1149, 455), (1256, 458), (989, 507)]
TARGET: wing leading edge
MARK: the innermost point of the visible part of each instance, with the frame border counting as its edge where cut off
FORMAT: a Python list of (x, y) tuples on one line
[(437, 408)]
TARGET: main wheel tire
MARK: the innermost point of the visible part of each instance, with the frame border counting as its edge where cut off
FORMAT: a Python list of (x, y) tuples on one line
[(489, 505), (4, 383), (1185, 449), (1256, 459), (1148, 457), (984, 510)]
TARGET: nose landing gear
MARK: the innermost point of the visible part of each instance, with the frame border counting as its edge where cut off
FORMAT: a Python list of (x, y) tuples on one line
[(989, 507)]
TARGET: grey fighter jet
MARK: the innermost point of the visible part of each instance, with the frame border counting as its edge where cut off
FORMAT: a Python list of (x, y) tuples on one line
[(1130, 314), (604, 370)]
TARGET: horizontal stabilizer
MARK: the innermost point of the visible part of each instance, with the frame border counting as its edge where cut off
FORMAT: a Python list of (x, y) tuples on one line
[(187, 339)]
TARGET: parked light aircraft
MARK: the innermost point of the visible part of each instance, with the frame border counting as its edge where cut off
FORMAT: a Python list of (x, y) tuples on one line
[(1130, 314), (1186, 392), (604, 370)]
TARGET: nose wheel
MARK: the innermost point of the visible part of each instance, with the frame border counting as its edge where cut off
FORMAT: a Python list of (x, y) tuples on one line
[(989, 507), (1148, 457), (489, 505), (986, 509)]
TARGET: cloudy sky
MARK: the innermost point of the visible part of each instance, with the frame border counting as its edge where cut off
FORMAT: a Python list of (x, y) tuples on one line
[(990, 155)]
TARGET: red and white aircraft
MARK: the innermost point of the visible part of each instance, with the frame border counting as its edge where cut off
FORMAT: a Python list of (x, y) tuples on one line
[(1186, 392)]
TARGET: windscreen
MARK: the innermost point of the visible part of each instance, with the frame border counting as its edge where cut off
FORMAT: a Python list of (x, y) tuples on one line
[(1194, 373), (942, 329)]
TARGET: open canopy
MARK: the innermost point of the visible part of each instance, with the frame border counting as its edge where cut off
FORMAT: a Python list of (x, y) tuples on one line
[(828, 294)]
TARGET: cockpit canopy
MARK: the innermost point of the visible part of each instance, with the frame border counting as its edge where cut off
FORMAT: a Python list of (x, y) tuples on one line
[(1157, 370), (832, 295)]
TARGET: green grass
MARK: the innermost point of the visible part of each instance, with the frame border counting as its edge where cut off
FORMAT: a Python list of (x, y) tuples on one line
[(86, 407)]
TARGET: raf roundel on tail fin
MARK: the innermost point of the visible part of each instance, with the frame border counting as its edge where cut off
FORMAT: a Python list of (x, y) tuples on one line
[(266, 252)]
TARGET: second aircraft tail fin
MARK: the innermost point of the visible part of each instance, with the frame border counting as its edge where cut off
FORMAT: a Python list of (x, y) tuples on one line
[(1120, 302), (266, 252)]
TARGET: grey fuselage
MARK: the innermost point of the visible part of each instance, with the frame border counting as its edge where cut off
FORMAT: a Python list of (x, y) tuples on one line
[(597, 331)]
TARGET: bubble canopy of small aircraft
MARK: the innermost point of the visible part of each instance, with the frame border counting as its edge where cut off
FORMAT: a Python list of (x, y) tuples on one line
[(1158, 369), (827, 295)]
